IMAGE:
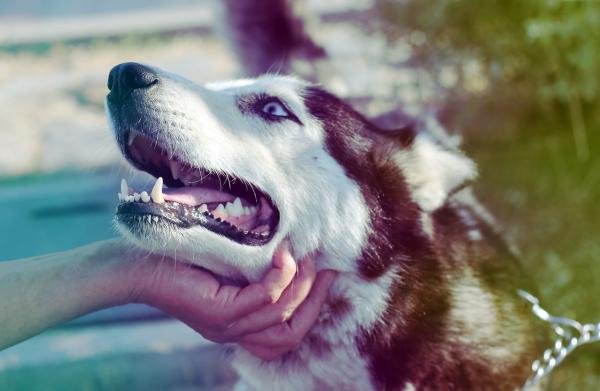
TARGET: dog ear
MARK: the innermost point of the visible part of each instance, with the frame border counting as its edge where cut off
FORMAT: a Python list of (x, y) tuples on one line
[(431, 171)]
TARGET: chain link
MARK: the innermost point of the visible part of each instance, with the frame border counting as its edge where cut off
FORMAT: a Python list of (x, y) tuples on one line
[(570, 334)]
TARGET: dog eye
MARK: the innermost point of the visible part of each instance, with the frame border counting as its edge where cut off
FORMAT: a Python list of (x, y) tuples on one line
[(275, 109)]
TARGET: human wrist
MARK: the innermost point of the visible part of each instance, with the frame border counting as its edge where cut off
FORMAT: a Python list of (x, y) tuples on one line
[(120, 268)]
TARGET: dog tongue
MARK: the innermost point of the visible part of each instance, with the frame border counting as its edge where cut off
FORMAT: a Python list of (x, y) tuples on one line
[(194, 196)]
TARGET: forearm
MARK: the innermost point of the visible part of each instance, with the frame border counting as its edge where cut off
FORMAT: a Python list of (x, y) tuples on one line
[(37, 293)]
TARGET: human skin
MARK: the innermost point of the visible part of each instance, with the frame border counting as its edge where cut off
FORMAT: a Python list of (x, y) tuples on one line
[(268, 318)]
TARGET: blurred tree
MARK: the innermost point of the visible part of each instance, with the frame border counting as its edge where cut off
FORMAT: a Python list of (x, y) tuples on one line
[(537, 54)]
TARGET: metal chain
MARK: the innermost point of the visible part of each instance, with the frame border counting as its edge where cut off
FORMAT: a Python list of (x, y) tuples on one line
[(570, 334)]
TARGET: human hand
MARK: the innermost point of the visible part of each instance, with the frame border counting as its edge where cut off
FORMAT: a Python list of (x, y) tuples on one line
[(268, 318)]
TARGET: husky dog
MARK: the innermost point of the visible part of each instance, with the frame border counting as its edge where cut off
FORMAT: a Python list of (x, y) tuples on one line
[(426, 296)]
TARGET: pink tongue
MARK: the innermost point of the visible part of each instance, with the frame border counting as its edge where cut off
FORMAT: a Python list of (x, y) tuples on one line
[(194, 196)]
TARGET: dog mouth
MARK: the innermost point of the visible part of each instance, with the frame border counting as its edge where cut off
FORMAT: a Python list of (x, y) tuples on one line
[(223, 204)]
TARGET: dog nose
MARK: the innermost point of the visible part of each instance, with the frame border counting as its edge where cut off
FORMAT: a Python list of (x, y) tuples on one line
[(129, 76)]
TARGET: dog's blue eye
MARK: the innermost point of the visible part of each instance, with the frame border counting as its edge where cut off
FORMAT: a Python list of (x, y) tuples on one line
[(275, 108)]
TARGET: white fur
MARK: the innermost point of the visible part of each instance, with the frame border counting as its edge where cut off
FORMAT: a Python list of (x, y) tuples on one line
[(433, 172)]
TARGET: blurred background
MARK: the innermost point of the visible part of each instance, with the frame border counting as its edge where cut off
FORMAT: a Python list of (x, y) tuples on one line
[(515, 81)]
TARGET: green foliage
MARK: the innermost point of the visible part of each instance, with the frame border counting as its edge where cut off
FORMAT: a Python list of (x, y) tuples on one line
[(539, 53), (551, 45)]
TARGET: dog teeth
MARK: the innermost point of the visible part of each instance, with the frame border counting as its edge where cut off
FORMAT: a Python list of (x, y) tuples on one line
[(239, 209), (136, 197), (235, 209), (124, 190), (155, 218), (247, 210), (144, 197), (220, 209), (156, 194), (203, 208)]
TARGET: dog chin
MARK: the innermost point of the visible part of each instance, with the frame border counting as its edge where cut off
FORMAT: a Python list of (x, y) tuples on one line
[(200, 247)]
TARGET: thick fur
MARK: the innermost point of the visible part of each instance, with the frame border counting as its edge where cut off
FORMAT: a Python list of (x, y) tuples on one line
[(426, 295)]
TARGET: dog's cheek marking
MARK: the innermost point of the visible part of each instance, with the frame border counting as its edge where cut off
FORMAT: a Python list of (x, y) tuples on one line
[(397, 244), (394, 218)]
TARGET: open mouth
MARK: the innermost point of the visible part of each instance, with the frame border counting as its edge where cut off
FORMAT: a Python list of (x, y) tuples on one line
[(221, 203)]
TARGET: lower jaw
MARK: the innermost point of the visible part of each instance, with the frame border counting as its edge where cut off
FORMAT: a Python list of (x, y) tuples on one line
[(184, 216)]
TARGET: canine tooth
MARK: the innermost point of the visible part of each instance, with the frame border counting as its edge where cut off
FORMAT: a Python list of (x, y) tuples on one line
[(136, 197), (145, 197), (156, 194), (124, 188), (220, 209), (203, 208)]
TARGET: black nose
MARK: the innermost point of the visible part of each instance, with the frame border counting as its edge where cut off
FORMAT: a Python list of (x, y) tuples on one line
[(126, 77)]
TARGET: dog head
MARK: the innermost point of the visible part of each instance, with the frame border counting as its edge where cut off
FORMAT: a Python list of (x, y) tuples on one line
[(248, 163)]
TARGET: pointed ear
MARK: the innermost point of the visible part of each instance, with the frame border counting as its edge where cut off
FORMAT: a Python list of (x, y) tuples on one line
[(431, 171)]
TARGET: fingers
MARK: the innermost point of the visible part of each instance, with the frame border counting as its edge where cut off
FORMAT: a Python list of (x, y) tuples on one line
[(269, 317), (287, 336), (284, 270), (290, 300), (242, 302)]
